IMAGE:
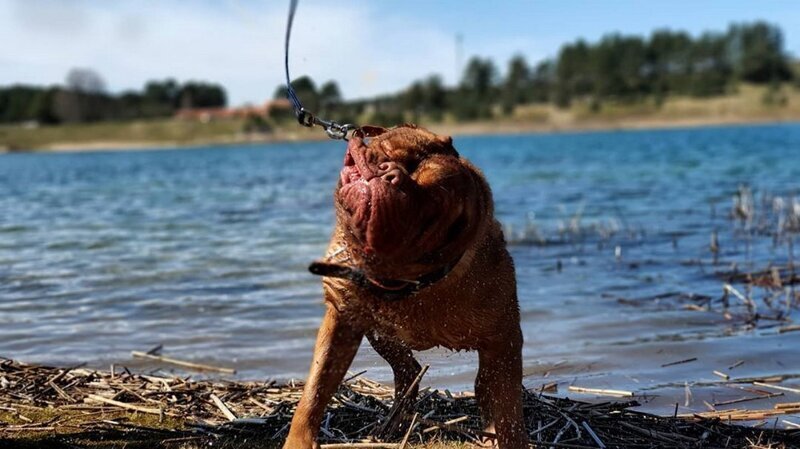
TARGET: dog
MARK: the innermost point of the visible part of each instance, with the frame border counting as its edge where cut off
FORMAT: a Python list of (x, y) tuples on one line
[(416, 260)]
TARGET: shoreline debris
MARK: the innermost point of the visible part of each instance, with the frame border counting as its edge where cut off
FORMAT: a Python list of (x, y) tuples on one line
[(154, 354), (228, 414)]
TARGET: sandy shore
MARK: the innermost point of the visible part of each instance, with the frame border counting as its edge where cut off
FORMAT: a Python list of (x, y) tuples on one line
[(115, 145), (492, 128), (453, 129)]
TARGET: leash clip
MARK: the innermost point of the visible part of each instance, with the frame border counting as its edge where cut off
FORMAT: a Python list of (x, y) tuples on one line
[(339, 132), (304, 117)]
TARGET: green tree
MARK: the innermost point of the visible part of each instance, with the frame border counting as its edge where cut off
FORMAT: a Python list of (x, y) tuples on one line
[(330, 98), (757, 52), (414, 100), (306, 91), (435, 97), (476, 93), (573, 73), (542, 81), (162, 93), (329, 94), (668, 65), (202, 95), (711, 71), (618, 63), (83, 99), (480, 76), (85, 81), (24, 103), (516, 87)]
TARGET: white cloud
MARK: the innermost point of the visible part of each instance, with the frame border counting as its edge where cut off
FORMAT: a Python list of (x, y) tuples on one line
[(237, 44)]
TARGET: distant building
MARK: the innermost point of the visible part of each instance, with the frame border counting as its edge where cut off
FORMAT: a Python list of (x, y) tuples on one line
[(206, 115)]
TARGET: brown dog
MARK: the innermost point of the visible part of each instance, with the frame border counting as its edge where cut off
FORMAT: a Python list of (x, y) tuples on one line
[(417, 260)]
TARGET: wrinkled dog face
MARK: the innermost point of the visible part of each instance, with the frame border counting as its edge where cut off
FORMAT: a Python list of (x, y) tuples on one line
[(407, 203)]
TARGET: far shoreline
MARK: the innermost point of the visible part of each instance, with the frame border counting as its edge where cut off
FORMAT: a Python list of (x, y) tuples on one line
[(467, 129)]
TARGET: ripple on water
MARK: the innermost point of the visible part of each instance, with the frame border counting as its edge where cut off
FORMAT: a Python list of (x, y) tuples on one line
[(205, 251)]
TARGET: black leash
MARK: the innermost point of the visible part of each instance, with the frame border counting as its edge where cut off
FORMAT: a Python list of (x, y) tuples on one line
[(304, 117)]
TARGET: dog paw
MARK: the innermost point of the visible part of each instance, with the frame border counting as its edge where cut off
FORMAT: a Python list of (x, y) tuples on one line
[(486, 443)]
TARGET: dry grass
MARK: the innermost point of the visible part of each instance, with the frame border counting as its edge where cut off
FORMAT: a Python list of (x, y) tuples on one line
[(746, 105), (135, 133)]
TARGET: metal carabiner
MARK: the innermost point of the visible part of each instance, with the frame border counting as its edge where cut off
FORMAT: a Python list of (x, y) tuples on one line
[(339, 132), (306, 118), (334, 132)]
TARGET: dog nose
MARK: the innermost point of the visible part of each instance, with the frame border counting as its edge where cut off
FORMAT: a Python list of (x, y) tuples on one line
[(390, 172)]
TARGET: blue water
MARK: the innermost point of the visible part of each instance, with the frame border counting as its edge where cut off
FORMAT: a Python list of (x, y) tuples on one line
[(205, 251)]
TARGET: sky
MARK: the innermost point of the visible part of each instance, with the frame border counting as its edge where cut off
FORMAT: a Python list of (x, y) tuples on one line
[(368, 47)]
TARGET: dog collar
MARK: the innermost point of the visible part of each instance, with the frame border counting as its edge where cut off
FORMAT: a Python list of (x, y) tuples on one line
[(389, 289)]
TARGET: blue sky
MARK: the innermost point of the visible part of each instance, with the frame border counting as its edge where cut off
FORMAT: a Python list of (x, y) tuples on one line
[(369, 47)]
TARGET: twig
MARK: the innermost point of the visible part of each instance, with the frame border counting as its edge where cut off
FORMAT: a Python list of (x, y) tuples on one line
[(354, 376), (736, 364), (393, 415), (359, 446), (451, 421), (693, 359), (593, 435), (152, 411), (224, 408), (60, 391), (459, 429), (722, 375), (196, 366), (408, 432), (753, 398), (602, 392), (788, 405), (777, 387), (751, 305)]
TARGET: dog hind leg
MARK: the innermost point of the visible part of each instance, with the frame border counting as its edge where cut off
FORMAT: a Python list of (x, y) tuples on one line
[(405, 368)]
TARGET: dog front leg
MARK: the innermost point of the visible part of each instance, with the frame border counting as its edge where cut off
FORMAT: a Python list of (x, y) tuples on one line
[(337, 344), (499, 391)]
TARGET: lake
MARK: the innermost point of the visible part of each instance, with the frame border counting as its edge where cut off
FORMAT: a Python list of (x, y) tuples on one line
[(206, 251)]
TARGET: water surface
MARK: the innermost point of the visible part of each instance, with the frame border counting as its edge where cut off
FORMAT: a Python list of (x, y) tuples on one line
[(205, 251)]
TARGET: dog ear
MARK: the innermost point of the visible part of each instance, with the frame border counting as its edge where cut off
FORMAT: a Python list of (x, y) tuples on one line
[(370, 131), (447, 143), (445, 140)]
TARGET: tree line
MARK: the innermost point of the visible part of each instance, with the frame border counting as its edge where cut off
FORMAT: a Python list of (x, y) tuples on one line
[(83, 98), (616, 68), (620, 68)]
